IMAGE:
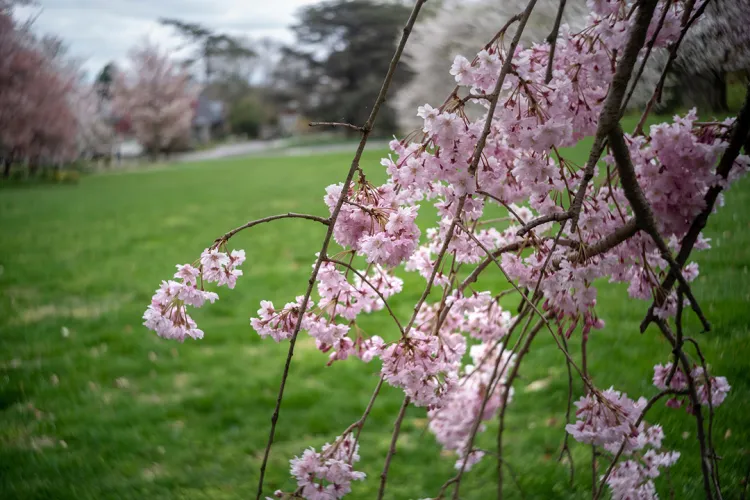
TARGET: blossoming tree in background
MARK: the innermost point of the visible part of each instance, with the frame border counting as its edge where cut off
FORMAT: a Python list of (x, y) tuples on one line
[(157, 98), (634, 217), (37, 122)]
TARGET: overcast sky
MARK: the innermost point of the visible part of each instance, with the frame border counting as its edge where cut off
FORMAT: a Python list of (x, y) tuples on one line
[(100, 31)]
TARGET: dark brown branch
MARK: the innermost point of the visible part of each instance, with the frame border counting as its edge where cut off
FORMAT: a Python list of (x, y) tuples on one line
[(737, 140), (334, 217), (619, 235), (552, 41), (337, 124), (678, 344), (644, 216), (392, 448), (709, 399), (610, 113), (555, 217), (250, 224), (706, 459)]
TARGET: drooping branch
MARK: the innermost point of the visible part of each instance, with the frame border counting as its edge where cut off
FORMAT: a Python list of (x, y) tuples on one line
[(553, 217), (250, 224), (336, 124), (610, 113), (506, 392), (494, 378), (649, 404), (737, 140), (367, 128), (392, 447), (552, 41), (706, 453), (644, 216), (607, 243), (495, 95), (644, 61)]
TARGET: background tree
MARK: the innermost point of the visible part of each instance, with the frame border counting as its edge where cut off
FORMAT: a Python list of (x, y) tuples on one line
[(341, 51), (105, 79), (37, 123), (157, 98), (95, 131), (249, 115), (216, 51), (717, 45)]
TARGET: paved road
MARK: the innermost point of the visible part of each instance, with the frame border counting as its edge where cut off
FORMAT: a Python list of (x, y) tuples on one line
[(231, 150), (278, 147)]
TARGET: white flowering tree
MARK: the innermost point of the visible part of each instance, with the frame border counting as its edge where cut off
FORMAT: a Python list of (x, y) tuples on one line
[(157, 98), (633, 213)]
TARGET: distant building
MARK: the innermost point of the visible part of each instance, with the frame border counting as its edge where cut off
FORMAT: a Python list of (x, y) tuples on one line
[(209, 120)]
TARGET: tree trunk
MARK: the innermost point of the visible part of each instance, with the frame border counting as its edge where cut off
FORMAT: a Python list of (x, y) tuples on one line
[(6, 167)]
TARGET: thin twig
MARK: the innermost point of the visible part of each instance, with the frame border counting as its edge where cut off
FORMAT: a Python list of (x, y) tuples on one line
[(552, 41), (496, 373), (509, 382), (565, 447), (513, 474), (374, 288), (334, 217), (392, 448), (651, 402), (706, 460), (337, 124), (649, 48), (250, 224), (554, 217), (711, 449)]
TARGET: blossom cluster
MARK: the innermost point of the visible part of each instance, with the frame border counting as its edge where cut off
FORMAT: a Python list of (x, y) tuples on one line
[(373, 222), (717, 387), (328, 474), (612, 420), (167, 315), (340, 297), (478, 396)]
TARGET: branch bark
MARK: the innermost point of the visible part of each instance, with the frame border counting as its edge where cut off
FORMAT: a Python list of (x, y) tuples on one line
[(610, 114)]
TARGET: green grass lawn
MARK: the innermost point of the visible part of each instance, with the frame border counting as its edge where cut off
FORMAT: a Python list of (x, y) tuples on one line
[(92, 405)]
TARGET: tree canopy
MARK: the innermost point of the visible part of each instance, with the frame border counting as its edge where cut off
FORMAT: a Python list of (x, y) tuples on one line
[(334, 69)]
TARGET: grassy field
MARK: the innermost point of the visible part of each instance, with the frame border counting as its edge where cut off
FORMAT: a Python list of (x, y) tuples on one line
[(92, 405)]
